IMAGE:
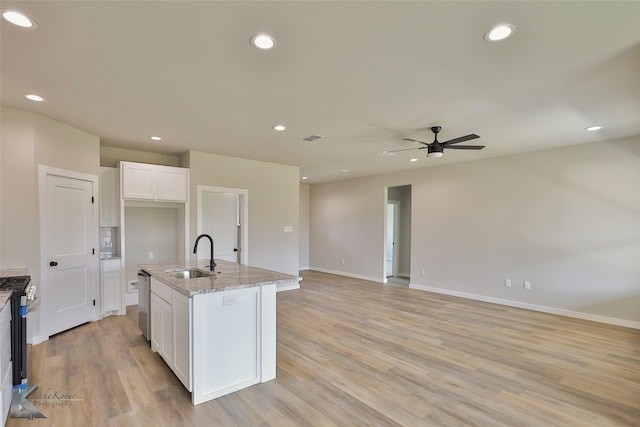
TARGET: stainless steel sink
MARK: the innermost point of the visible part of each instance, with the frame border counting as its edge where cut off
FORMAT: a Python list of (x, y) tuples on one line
[(190, 273)]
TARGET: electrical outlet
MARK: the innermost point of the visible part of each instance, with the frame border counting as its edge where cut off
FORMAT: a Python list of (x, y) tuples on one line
[(507, 283), (527, 286), (151, 255), (342, 260), (423, 272)]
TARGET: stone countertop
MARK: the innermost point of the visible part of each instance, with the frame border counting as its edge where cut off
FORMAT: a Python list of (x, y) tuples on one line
[(227, 275), (10, 272)]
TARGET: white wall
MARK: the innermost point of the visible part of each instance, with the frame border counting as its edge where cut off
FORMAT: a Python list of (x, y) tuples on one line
[(28, 140), (273, 204), (18, 183), (304, 226), (151, 229), (566, 219), (111, 157)]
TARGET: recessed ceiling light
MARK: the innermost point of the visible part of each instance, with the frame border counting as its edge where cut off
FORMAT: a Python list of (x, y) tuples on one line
[(592, 128), (499, 32), (345, 170), (156, 138), (413, 160), (279, 128), (34, 97), (19, 19), (305, 177), (263, 41)]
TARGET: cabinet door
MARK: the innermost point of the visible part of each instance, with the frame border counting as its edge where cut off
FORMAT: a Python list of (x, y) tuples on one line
[(6, 393), (111, 285), (109, 197), (5, 339), (111, 291), (6, 371), (172, 184), (167, 333), (161, 328), (180, 307), (156, 323), (139, 181)]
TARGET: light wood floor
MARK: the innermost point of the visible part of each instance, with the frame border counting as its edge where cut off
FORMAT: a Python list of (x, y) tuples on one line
[(357, 353)]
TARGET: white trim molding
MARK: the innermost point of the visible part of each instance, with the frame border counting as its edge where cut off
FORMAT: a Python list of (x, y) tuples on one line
[(352, 275), (540, 308)]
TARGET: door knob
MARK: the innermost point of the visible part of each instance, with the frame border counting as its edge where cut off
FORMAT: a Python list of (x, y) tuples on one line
[(53, 263)]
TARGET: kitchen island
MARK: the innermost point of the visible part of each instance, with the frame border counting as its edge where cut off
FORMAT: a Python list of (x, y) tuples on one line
[(216, 331)]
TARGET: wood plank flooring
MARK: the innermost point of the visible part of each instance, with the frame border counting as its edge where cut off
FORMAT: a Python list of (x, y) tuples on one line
[(357, 353)]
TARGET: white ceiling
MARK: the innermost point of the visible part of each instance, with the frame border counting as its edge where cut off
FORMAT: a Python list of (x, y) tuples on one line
[(363, 74)]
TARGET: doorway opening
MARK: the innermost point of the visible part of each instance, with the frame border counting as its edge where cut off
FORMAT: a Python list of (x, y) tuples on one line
[(223, 214), (397, 242)]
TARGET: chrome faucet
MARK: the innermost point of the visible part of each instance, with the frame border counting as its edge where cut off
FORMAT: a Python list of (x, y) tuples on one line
[(212, 264)]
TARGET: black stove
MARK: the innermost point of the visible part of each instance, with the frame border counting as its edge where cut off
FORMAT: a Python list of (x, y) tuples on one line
[(18, 285)]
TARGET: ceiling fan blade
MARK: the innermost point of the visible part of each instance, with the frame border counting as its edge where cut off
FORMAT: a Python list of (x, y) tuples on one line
[(464, 147), (460, 139), (415, 140), (404, 149)]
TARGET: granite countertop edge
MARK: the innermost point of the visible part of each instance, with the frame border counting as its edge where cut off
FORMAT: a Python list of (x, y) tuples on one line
[(226, 276), (10, 272)]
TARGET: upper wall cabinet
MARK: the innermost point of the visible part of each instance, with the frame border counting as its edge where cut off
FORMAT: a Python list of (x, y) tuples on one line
[(141, 181), (109, 197)]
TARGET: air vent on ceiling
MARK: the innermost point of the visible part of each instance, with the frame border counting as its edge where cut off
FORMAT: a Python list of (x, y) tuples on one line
[(313, 137)]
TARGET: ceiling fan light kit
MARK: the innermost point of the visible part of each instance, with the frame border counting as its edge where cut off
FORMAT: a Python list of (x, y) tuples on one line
[(436, 148), (434, 152)]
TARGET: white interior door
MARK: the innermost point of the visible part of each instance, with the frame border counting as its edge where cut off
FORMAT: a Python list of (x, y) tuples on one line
[(391, 239), (70, 264), (220, 221)]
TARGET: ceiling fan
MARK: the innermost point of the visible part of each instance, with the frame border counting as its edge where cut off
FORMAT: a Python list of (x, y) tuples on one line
[(436, 148)]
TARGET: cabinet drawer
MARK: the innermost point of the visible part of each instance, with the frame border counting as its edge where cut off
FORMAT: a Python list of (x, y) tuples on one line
[(160, 289), (110, 265)]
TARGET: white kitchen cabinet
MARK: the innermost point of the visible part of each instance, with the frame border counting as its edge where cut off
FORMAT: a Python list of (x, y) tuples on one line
[(171, 329), (111, 281), (234, 340), (161, 328), (172, 184), (6, 372), (181, 314), (141, 181), (109, 197)]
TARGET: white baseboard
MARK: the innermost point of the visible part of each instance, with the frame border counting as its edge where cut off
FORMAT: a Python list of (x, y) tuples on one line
[(541, 308), (344, 273), (35, 340), (304, 268)]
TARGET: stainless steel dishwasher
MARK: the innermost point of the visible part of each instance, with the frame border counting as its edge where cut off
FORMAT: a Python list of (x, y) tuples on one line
[(144, 303)]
